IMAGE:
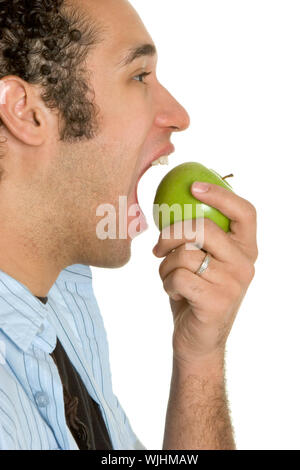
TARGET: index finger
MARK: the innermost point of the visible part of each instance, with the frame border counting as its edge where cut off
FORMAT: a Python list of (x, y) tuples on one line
[(241, 212)]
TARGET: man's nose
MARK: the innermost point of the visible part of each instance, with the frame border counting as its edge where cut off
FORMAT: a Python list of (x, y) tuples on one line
[(171, 114)]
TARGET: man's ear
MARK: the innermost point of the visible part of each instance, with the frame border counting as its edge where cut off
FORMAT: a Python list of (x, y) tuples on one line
[(21, 111)]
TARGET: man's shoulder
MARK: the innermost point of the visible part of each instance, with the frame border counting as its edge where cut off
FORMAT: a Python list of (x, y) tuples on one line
[(8, 389), (8, 382), (11, 396)]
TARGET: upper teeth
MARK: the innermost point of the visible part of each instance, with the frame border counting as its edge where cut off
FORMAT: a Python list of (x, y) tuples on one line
[(164, 160)]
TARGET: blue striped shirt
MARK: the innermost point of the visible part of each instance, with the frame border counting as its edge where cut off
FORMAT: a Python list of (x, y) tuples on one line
[(32, 415)]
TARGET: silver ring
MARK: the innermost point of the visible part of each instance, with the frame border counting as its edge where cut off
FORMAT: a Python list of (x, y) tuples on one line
[(204, 265)]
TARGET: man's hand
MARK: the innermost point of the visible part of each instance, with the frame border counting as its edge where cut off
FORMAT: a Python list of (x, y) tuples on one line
[(204, 307)]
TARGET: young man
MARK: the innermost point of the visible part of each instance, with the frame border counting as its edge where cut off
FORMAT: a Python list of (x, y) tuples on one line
[(82, 115)]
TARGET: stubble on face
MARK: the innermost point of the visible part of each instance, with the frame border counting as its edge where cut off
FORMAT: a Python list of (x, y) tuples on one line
[(85, 176), (102, 169)]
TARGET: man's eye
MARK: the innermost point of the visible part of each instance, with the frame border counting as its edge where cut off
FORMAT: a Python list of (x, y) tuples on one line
[(140, 77)]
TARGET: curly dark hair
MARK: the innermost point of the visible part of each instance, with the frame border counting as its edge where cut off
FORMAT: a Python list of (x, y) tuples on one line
[(45, 42)]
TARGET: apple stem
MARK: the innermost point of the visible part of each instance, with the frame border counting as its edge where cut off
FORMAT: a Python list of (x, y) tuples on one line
[(228, 176)]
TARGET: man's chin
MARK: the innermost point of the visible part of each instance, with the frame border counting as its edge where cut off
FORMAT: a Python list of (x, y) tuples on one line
[(113, 254)]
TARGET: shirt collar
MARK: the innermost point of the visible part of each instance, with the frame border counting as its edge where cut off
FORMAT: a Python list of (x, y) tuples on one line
[(76, 272), (22, 315)]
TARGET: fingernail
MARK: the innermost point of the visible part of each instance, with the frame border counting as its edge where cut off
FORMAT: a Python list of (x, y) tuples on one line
[(200, 187)]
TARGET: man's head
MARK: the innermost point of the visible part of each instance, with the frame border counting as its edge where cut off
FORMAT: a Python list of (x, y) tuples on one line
[(78, 123)]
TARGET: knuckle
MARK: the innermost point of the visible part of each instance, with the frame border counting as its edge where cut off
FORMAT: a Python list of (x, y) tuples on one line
[(247, 273), (235, 289), (209, 224), (251, 272), (170, 283), (177, 278), (181, 257), (173, 282), (161, 268), (196, 289), (251, 210)]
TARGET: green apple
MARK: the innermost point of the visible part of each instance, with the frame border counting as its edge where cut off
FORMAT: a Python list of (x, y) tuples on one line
[(175, 189)]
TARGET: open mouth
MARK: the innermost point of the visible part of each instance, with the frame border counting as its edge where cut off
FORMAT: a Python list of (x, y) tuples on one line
[(163, 160)]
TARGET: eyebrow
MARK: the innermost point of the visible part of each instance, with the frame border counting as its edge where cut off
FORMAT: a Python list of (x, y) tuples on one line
[(136, 52)]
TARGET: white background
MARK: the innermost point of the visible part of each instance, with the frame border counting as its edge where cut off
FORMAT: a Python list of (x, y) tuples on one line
[(234, 65)]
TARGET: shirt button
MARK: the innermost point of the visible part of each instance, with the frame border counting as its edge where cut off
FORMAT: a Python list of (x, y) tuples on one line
[(41, 329), (42, 399)]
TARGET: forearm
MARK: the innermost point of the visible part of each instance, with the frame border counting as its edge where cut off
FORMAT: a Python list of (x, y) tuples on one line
[(198, 413)]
